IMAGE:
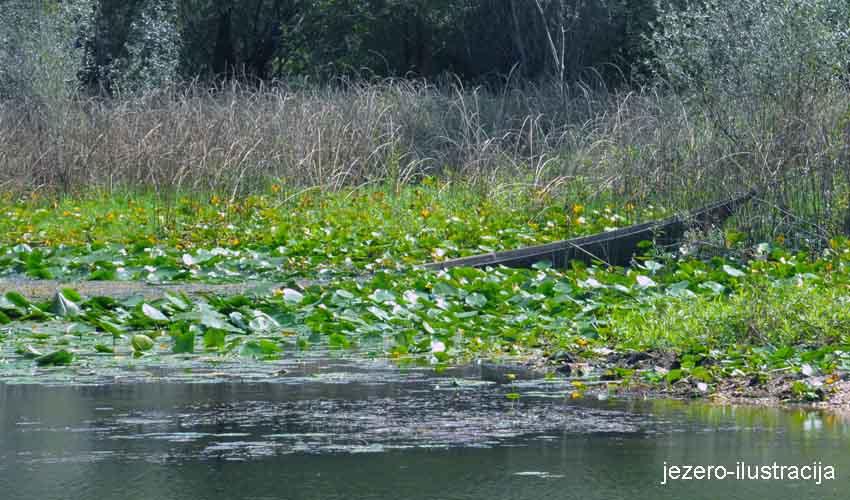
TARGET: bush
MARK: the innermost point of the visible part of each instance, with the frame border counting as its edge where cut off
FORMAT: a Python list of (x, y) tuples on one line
[(152, 51), (42, 50), (746, 48)]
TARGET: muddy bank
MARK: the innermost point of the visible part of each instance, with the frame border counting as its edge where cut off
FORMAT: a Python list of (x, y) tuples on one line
[(617, 374)]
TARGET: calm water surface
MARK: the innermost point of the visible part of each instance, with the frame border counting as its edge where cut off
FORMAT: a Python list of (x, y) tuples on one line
[(374, 432)]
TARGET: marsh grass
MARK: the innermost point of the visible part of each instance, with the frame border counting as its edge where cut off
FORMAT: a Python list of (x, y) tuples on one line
[(765, 313), (649, 145)]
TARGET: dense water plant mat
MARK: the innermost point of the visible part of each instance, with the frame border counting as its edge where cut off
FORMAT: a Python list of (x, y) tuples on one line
[(279, 235), (771, 323), (688, 327)]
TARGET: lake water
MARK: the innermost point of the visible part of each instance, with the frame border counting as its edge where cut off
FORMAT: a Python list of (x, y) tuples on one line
[(371, 431)]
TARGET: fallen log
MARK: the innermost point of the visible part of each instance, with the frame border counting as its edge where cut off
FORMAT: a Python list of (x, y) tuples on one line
[(616, 247)]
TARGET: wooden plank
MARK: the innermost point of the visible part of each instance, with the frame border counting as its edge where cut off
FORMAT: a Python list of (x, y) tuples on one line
[(615, 247)]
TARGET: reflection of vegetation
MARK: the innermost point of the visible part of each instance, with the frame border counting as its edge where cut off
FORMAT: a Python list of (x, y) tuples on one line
[(801, 424)]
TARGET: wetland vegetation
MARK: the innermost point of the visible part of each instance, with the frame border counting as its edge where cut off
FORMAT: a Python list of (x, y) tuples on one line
[(216, 219), (325, 195), (339, 270)]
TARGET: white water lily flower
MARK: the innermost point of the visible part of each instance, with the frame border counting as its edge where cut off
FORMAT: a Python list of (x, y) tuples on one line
[(437, 346)]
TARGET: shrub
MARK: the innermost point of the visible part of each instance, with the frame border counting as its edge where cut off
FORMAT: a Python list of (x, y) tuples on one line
[(152, 51), (42, 50), (745, 48)]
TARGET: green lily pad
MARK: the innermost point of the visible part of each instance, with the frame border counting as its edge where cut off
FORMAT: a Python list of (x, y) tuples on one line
[(58, 358), (141, 343)]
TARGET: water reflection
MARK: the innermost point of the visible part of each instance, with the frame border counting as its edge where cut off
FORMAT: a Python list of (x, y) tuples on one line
[(388, 434)]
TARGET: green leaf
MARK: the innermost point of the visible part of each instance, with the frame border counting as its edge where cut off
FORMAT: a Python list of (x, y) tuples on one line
[(18, 300), (208, 317), (476, 300), (183, 337), (716, 288), (179, 303), (674, 376), (104, 349), (380, 296), (214, 339), (71, 294), (701, 373), (141, 343), (339, 341), (260, 348), (379, 313), (680, 289), (441, 288), (60, 357), (103, 275), (109, 327)]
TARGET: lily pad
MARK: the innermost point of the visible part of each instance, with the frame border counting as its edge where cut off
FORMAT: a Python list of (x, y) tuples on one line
[(58, 358)]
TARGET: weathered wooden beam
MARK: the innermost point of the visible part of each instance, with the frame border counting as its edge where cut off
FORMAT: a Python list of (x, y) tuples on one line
[(615, 247)]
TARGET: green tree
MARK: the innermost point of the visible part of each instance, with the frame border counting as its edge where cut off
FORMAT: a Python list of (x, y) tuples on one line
[(151, 55), (43, 50), (746, 48)]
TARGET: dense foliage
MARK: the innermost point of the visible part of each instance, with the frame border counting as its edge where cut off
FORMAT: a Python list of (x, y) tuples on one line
[(269, 147), (749, 316), (475, 39)]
